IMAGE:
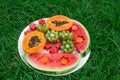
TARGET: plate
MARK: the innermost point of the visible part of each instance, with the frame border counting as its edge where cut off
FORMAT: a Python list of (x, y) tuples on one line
[(83, 60)]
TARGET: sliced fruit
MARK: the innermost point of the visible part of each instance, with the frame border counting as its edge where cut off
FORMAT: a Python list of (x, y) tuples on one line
[(53, 50), (41, 21), (67, 46), (52, 36), (65, 35), (64, 61), (27, 31), (80, 37), (53, 63), (59, 23), (74, 27), (42, 28), (47, 45), (44, 59), (57, 45), (32, 26), (33, 42)]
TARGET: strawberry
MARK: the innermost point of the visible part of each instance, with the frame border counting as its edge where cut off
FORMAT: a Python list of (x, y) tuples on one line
[(27, 31), (32, 26), (57, 45), (53, 50), (47, 45), (41, 21)]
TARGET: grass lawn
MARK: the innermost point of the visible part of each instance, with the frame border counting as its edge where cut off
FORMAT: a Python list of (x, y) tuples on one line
[(101, 18)]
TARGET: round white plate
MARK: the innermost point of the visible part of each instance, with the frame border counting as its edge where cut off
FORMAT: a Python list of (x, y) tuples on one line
[(21, 53)]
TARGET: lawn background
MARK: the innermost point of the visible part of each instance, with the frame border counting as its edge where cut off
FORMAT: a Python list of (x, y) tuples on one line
[(100, 17)]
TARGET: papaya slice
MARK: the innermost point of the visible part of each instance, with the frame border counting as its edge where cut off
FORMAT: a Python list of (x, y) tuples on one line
[(59, 23), (33, 42)]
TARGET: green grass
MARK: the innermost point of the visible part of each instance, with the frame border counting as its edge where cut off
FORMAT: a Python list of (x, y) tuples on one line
[(101, 18)]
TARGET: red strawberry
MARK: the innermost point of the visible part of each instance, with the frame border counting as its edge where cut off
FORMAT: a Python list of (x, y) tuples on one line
[(26, 32), (53, 50), (57, 45), (41, 21), (47, 45), (32, 26)]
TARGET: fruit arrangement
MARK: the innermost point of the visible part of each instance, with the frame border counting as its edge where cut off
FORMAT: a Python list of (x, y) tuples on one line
[(55, 45)]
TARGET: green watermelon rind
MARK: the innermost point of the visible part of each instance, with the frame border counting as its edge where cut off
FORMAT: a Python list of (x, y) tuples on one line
[(87, 49), (86, 52), (48, 71)]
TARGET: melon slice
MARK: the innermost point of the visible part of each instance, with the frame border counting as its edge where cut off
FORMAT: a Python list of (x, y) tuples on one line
[(53, 63), (81, 38), (59, 22)]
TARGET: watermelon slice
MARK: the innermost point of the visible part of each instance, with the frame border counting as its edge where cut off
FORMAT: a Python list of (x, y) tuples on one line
[(81, 38), (53, 63)]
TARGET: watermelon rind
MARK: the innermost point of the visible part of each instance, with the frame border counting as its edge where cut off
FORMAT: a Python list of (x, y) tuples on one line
[(86, 52)]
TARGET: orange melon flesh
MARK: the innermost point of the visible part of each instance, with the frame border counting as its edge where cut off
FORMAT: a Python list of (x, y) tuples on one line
[(25, 43), (59, 18)]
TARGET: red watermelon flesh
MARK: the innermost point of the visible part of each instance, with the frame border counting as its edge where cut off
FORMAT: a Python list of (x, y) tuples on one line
[(82, 33), (53, 62)]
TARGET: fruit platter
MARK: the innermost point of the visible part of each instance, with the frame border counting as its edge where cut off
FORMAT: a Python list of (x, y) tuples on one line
[(54, 46)]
